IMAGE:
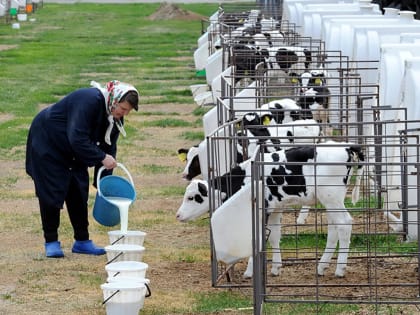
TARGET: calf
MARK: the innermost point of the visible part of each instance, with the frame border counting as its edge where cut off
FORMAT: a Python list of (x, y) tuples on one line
[(245, 57), (196, 203), (297, 176), (262, 131), (257, 133), (287, 58), (192, 167), (281, 111), (191, 158), (315, 97)]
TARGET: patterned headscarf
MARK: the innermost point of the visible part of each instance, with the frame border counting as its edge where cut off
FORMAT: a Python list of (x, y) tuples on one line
[(113, 92)]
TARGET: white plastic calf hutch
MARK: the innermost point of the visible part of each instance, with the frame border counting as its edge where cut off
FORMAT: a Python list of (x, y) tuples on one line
[(293, 9), (338, 32), (312, 18)]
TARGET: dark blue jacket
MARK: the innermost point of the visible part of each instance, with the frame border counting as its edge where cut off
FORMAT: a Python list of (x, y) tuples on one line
[(64, 140)]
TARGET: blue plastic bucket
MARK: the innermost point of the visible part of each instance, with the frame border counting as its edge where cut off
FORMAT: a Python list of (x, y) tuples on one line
[(105, 212)]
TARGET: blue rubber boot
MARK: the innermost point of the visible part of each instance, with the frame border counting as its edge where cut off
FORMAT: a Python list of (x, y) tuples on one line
[(87, 247), (53, 250)]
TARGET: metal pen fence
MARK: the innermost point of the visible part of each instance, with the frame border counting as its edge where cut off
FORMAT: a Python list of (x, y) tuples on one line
[(382, 267), (383, 256)]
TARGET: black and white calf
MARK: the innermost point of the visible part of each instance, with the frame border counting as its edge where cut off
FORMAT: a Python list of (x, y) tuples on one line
[(289, 59), (196, 203), (314, 98), (192, 167), (191, 158), (282, 111), (262, 131), (297, 176)]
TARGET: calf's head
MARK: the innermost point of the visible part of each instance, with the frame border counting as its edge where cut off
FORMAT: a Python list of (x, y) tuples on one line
[(192, 167), (196, 201)]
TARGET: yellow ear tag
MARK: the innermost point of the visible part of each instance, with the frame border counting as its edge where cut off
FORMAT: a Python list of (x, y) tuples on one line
[(266, 120), (182, 157), (294, 80), (318, 81)]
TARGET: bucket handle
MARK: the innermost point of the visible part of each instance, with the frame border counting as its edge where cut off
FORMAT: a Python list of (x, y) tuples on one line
[(98, 177), (113, 259), (148, 294), (118, 239), (110, 297)]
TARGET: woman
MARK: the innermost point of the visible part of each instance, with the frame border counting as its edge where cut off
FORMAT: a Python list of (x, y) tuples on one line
[(66, 138)]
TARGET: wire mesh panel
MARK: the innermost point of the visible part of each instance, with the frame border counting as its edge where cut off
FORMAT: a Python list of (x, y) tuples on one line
[(255, 79), (381, 267), (381, 219)]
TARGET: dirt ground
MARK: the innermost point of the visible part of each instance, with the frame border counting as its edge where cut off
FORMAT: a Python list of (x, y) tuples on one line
[(178, 254)]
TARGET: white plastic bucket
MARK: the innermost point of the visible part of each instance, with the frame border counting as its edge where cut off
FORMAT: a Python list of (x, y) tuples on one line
[(22, 17), (127, 279), (131, 237), (124, 297), (124, 252), (127, 269)]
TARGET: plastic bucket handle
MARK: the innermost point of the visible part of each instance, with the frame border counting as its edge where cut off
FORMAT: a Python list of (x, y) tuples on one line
[(98, 177), (148, 294)]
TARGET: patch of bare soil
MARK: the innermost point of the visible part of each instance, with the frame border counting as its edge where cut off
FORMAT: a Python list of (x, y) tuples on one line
[(7, 47), (170, 11)]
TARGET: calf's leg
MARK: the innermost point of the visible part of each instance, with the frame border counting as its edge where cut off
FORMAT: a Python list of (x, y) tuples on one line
[(273, 224), (339, 231)]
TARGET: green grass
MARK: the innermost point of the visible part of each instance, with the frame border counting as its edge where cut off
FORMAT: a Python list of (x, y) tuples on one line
[(217, 302), (167, 122), (154, 169), (359, 242), (196, 136), (41, 67)]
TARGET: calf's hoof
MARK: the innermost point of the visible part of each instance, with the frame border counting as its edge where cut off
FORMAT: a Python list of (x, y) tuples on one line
[(321, 269), (340, 273)]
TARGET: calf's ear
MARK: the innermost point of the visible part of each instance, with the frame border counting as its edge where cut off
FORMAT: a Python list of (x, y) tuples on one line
[(318, 81), (266, 119), (182, 155)]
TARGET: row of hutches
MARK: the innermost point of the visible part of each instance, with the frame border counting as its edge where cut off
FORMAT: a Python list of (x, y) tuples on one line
[(18, 10), (368, 57)]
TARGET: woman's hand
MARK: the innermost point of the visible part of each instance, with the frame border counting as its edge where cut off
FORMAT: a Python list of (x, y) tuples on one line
[(109, 162)]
